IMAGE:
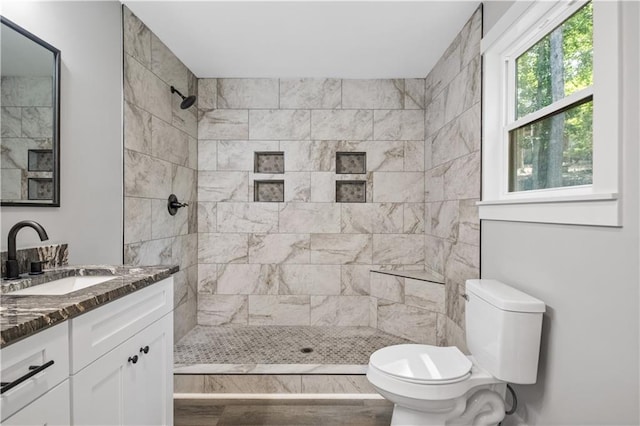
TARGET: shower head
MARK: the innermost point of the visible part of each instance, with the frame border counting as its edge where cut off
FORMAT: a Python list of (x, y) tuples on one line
[(187, 101)]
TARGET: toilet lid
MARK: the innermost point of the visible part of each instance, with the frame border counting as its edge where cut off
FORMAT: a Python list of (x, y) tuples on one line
[(422, 363)]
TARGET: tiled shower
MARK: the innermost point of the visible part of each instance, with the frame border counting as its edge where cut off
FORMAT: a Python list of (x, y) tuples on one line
[(298, 188), (306, 260)]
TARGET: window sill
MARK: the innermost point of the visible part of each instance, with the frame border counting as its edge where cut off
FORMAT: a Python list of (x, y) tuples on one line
[(588, 209)]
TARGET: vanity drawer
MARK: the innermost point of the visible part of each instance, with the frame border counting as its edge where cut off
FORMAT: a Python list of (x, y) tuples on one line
[(53, 408), (97, 332), (38, 350)]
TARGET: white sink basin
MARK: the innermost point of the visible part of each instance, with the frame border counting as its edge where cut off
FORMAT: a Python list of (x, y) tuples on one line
[(63, 285)]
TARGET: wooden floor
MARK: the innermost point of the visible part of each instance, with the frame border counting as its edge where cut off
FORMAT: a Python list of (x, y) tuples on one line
[(197, 412)]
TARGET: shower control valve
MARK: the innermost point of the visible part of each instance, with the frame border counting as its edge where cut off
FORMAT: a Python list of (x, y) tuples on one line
[(173, 204)]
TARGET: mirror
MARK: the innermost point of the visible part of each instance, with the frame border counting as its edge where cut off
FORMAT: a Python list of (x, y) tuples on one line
[(29, 125)]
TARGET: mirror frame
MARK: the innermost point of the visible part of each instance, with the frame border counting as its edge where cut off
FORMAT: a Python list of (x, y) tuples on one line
[(55, 202)]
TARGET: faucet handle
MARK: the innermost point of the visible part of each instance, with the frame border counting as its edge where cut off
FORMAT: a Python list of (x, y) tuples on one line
[(36, 267), (173, 204)]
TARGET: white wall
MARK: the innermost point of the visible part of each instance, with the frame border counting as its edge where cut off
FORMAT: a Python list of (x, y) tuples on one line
[(89, 35), (589, 278)]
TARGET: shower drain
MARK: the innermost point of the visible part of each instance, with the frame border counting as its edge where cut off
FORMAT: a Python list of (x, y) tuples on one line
[(306, 350)]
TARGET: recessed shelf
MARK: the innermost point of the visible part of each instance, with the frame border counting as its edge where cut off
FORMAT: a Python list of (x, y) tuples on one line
[(351, 191), (268, 162), (40, 160), (40, 189), (351, 163), (270, 191)]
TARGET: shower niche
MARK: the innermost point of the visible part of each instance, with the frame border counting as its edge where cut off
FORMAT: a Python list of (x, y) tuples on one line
[(351, 163), (351, 191), (269, 162), (269, 191)]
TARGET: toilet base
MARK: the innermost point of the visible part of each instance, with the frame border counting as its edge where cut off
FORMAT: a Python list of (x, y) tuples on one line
[(403, 416), (482, 406)]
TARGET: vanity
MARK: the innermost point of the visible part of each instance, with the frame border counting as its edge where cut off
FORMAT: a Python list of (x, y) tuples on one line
[(88, 346)]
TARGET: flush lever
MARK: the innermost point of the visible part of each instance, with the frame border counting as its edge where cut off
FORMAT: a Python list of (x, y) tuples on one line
[(173, 204)]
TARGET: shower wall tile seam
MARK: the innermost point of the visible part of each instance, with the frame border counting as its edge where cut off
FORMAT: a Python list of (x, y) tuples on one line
[(159, 78), (437, 130), (462, 69), (155, 73), (339, 176), (155, 157), (158, 158), (161, 119), (152, 198), (158, 239), (309, 109), (341, 104), (306, 109)]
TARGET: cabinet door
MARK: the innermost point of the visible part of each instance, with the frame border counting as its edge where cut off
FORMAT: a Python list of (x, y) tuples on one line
[(114, 390), (52, 408), (97, 332), (149, 399), (97, 392)]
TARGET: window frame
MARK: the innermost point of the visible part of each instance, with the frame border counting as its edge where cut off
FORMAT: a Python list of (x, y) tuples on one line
[(518, 30)]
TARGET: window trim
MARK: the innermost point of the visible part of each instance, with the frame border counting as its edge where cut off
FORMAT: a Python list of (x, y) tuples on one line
[(513, 34)]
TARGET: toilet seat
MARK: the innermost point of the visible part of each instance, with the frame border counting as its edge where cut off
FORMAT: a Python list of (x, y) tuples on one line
[(389, 385), (422, 364)]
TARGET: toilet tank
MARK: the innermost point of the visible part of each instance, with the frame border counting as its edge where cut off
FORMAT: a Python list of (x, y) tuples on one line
[(503, 328)]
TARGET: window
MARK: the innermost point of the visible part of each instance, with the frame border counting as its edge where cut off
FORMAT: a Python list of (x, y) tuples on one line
[(551, 132), (550, 114)]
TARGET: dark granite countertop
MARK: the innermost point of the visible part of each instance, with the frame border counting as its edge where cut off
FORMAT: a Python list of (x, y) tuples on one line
[(24, 315)]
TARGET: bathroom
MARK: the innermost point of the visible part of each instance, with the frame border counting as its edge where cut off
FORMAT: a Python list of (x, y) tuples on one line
[(414, 126)]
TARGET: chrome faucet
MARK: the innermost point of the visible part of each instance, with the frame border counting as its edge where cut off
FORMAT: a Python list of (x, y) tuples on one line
[(13, 271)]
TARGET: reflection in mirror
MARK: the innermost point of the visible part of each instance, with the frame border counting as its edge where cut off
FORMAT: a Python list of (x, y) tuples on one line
[(29, 125)]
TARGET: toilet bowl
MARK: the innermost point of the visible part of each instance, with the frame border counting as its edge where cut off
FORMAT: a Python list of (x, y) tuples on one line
[(432, 385)]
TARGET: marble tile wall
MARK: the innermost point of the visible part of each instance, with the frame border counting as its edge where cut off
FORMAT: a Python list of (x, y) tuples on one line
[(26, 123), (306, 261), (160, 158), (407, 307), (452, 173)]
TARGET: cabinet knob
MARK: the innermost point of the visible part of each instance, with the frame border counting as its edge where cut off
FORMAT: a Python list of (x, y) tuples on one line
[(144, 350), (133, 359)]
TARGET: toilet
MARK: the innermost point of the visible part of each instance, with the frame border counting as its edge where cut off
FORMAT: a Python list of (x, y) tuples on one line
[(432, 385)]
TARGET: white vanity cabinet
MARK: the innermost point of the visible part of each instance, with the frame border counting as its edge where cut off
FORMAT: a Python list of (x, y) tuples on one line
[(52, 408), (122, 361), (111, 366)]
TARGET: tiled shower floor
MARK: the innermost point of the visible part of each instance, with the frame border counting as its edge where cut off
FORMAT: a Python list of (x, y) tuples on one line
[(279, 349)]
